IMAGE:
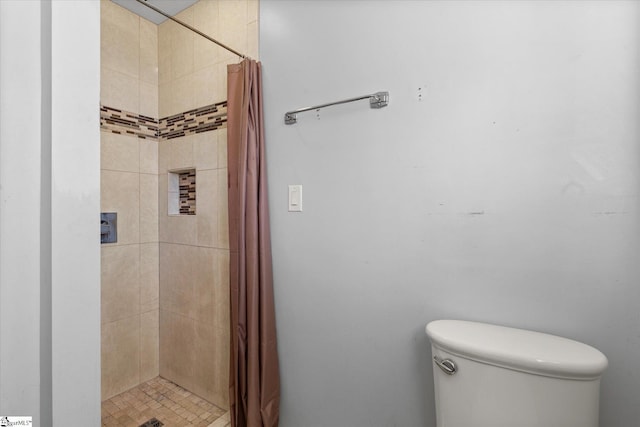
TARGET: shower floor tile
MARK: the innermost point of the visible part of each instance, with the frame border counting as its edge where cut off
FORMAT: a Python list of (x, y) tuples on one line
[(165, 401)]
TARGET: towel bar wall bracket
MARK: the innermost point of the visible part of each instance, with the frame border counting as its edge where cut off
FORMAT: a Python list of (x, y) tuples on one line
[(376, 100)]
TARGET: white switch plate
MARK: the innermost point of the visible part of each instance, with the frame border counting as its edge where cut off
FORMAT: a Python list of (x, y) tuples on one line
[(295, 198)]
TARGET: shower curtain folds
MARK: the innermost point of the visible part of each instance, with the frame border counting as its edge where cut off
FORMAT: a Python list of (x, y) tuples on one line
[(254, 379)]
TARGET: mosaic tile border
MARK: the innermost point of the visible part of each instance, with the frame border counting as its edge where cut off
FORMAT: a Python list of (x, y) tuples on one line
[(128, 123), (188, 192), (203, 119)]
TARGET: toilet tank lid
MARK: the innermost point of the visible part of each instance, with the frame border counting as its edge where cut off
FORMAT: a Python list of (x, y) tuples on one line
[(519, 349)]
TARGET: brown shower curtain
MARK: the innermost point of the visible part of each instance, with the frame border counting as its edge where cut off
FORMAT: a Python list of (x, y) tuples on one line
[(254, 378)]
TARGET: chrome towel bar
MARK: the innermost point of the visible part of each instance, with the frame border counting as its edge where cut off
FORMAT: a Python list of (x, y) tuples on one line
[(376, 100)]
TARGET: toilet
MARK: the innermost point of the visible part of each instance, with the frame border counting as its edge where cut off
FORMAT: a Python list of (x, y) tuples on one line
[(494, 376)]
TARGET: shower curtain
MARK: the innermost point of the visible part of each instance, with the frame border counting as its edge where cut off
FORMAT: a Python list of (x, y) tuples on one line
[(254, 379)]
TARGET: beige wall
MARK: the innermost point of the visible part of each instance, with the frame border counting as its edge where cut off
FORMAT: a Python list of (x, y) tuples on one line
[(194, 250), (129, 59), (192, 70), (194, 279), (165, 301), (129, 184)]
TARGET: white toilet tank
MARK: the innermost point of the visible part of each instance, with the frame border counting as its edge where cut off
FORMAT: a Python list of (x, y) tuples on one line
[(494, 376)]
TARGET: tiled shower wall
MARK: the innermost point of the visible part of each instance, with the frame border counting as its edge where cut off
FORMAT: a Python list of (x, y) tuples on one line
[(129, 186), (165, 283), (192, 70), (194, 249)]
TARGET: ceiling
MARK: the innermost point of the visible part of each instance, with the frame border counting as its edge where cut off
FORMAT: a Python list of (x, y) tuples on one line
[(170, 7)]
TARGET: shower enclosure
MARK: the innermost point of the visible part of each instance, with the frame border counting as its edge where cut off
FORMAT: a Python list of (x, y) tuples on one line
[(165, 281)]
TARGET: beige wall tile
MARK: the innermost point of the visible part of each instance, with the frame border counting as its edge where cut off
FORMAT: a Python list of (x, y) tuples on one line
[(253, 40), (221, 290), (223, 214), (119, 193), (182, 153), (148, 156), (222, 78), (149, 277), (148, 208), (253, 11), (205, 150), (186, 16), (165, 34), (119, 39), (148, 98), (205, 14), (233, 26), (149, 345), (148, 52), (165, 102), (206, 53), (182, 45), (223, 421), (206, 83), (118, 152), (164, 156), (177, 279), (221, 367), (120, 284), (120, 356), (204, 275), (183, 93), (177, 348), (205, 383), (207, 207), (181, 229), (163, 226), (164, 66), (222, 147), (119, 90), (221, 330), (206, 17)]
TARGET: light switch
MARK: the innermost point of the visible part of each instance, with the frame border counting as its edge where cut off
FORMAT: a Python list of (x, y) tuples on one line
[(295, 198)]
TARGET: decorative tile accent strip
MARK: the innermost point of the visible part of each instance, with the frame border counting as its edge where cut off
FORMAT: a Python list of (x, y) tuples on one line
[(203, 119), (127, 123), (188, 192)]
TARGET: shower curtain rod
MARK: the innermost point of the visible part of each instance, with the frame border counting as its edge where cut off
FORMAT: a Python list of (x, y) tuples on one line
[(192, 29), (376, 100)]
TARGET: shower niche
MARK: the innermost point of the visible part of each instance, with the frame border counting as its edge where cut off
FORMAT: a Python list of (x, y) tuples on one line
[(182, 192)]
